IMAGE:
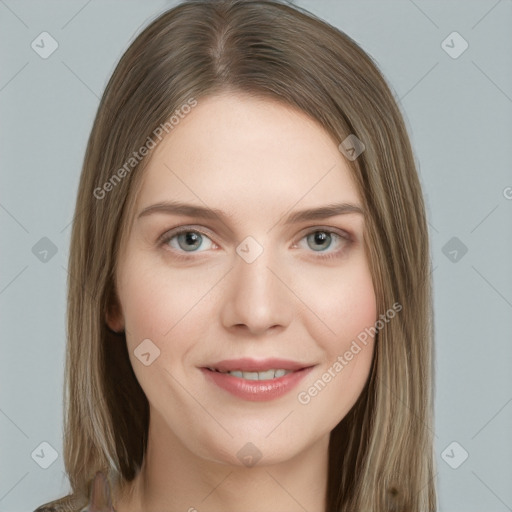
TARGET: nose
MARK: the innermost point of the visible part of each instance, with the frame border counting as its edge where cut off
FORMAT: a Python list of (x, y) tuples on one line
[(257, 297)]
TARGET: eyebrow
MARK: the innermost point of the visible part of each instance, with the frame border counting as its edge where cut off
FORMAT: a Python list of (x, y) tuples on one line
[(190, 210)]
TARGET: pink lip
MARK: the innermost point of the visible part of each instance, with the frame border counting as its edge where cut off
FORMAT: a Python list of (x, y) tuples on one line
[(256, 390)]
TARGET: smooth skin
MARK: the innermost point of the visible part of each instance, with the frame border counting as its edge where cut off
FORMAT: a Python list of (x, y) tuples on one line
[(304, 298)]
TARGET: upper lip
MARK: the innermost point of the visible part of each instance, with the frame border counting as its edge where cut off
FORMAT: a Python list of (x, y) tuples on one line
[(257, 365)]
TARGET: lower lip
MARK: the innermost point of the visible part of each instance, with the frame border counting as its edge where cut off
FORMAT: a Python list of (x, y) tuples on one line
[(256, 390)]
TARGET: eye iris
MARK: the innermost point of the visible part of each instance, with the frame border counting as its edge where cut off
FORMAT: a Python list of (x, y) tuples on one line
[(320, 237), (189, 237)]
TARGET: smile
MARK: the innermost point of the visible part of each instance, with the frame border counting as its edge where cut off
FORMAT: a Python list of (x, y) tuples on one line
[(256, 381)]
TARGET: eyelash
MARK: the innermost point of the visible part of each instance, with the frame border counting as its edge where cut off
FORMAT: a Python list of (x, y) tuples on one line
[(169, 235)]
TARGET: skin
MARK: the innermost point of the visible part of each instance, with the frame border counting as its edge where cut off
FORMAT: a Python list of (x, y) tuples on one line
[(257, 160)]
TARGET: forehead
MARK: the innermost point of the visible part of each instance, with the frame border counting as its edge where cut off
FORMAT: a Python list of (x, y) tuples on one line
[(247, 154)]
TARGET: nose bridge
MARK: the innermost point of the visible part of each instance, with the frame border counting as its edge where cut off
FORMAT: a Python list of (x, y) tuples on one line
[(256, 297), (254, 279)]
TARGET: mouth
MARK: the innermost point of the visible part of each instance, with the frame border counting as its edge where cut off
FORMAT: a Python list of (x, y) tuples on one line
[(255, 380)]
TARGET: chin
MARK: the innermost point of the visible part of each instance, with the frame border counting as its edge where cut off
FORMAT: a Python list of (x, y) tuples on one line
[(254, 449)]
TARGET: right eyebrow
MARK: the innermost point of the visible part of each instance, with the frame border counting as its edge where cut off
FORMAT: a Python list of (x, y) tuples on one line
[(183, 209)]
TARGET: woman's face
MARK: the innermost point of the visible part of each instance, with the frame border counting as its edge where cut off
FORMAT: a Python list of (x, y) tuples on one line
[(250, 288)]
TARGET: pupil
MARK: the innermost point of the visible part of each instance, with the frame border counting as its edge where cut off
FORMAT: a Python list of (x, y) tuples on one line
[(321, 237), (191, 240), (191, 237)]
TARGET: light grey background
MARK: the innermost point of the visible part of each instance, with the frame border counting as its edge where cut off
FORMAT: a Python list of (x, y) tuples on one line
[(458, 112)]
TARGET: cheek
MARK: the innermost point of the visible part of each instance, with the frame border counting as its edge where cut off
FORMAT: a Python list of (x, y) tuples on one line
[(352, 308), (170, 308), (163, 304), (343, 300), (347, 307)]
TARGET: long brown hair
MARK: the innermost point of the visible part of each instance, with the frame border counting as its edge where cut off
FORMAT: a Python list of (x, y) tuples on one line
[(381, 454)]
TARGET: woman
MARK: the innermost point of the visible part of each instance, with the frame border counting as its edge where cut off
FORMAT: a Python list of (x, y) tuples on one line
[(249, 320)]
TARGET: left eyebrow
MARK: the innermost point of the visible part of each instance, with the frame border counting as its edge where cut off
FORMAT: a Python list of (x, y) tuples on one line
[(191, 210), (323, 212)]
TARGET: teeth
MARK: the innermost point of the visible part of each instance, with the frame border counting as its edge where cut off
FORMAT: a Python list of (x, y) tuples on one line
[(265, 375), (251, 375), (269, 374)]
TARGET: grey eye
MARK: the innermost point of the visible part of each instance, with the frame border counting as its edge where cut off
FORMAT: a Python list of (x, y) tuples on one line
[(190, 240), (322, 238)]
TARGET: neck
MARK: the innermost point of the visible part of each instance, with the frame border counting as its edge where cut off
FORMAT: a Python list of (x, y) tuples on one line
[(173, 479)]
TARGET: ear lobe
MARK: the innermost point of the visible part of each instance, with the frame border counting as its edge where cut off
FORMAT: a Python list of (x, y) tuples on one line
[(114, 323), (114, 316)]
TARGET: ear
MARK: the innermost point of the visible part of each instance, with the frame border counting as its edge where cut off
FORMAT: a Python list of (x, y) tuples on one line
[(114, 316)]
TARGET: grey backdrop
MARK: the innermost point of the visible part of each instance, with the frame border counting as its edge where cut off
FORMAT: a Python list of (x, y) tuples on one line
[(457, 102)]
